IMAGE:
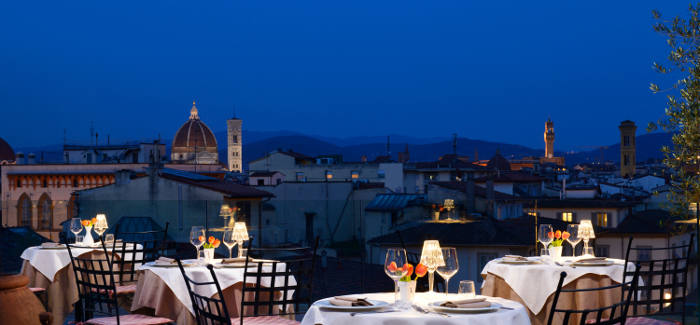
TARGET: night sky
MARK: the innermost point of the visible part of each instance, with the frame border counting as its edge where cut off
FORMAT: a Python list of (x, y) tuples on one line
[(492, 70)]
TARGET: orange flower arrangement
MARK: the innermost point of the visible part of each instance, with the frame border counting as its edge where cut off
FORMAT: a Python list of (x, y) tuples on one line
[(420, 270), (212, 242), (88, 222), (558, 237)]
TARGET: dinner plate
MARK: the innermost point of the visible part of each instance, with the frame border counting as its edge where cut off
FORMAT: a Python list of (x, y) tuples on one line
[(55, 247), (154, 264), (596, 263), (376, 304), (436, 305), (237, 265), (507, 261)]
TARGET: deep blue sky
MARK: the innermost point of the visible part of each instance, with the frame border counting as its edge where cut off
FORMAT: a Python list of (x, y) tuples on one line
[(492, 70)]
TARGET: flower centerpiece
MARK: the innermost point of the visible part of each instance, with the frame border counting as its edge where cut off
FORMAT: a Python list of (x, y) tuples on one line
[(555, 247), (209, 246), (88, 223), (407, 283)]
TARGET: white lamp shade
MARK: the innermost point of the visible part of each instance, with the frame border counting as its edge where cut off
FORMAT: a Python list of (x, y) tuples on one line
[(101, 221), (240, 232), (225, 211), (431, 256), (585, 229)]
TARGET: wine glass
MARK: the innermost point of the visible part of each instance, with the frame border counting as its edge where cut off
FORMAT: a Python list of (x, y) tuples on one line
[(447, 271), (197, 238), (573, 239), (76, 226), (228, 240), (100, 227), (543, 235), (394, 266)]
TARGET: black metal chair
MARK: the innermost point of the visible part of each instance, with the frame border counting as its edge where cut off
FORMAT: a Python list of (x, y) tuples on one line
[(96, 290), (267, 292), (135, 249), (616, 312), (664, 279), (207, 310)]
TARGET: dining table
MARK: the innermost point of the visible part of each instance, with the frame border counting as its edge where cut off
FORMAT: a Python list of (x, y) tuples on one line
[(421, 311), (49, 267), (533, 283), (161, 290)]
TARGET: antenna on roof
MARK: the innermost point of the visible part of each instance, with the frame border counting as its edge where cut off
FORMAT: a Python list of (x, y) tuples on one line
[(454, 144), (92, 130), (388, 145)]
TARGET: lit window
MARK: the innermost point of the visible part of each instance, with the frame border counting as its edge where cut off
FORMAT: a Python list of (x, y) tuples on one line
[(602, 219), (532, 213), (329, 175), (355, 174), (567, 216)]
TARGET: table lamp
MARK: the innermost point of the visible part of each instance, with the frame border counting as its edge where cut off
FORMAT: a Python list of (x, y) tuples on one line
[(227, 213), (240, 234), (585, 232), (100, 224), (431, 257)]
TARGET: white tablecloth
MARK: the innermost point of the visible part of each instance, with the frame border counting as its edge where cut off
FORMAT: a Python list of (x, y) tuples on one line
[(517, 316), (534, 283), (226, 276), (50, 261)]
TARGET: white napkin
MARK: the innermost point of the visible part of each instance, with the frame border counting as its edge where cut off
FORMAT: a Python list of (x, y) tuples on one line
[(235, 260), (467, 303), (591, 259), (515, 258), (349, 301), (165, 260), (50, 245)]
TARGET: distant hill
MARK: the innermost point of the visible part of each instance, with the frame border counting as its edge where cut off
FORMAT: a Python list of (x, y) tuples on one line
[(258, 143)]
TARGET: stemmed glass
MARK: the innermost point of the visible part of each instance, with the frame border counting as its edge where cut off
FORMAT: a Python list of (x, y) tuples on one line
[(543, 236), (197, 238), (100, 227), (228, 240), (394, 266), (76, 226), (573, 239), (447, 271)]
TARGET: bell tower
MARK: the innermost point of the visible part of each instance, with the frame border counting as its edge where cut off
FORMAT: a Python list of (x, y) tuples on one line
[(235, 144), (549, 139), (628, 149)]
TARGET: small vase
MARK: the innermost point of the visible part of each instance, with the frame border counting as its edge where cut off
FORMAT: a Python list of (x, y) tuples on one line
[(208, 255), (436, 215), (555, 252), (88, 240), (407, 290)]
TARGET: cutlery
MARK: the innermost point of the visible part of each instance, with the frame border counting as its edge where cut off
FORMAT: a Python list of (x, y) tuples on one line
[(560, 264), (374, 312), (507, 308), (425, 311)]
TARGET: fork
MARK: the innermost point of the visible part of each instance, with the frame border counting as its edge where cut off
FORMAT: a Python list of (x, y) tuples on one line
[(425, 311), (374, 312)]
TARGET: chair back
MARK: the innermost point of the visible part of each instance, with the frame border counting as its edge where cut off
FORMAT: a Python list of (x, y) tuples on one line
[(282, 281), (207, 310), (663, 272), (615, 313), (135, 249), (95, 282)]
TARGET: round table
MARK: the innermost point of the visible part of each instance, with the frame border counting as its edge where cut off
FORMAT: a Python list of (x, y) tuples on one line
[(517, 315), (161, 291), (534, 284)]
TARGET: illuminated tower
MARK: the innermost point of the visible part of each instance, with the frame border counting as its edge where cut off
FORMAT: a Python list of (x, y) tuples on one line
[(235, 144), (549, 139), (628, 152)]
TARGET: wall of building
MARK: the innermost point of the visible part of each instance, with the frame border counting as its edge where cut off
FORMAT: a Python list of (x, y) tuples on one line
[(615, 216)]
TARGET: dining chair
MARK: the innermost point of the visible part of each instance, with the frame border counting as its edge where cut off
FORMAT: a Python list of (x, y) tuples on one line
[(135, 249), (207, 310), (96, 290), (614, 313), (663, 273), (268, 296)]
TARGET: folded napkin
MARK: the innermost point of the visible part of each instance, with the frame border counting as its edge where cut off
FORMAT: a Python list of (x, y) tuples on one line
[(235, 260), (592, 259), (349, 301), (50, 245), (165, 260), (467, 303), (515, 257)]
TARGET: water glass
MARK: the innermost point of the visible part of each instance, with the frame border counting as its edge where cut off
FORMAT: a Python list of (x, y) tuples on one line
[(466, 288), (76, 226), (79, 238), (197, 238), (573, 239), (109, 239), (394, 267), (228, 240)]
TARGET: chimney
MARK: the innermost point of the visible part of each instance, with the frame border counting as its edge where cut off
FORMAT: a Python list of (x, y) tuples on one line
[(19, 159), (470, 202), (490, 196), (363, 159), (31, 158), (122, 177)]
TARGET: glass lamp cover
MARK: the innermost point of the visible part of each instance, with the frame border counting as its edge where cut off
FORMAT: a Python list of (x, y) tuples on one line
[(240, 232), (432, 254), (101, 221), (585, 229)]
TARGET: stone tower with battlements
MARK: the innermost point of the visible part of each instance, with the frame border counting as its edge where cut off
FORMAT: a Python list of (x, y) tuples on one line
[(549, 139), (235, 144), (628, 149)]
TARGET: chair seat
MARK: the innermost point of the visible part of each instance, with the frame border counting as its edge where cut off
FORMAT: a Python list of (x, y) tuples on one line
[(126, 289), (648, 321), (264, 320), (131, 319)]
